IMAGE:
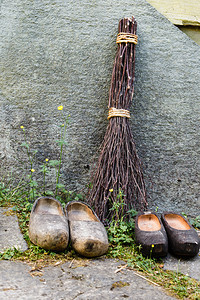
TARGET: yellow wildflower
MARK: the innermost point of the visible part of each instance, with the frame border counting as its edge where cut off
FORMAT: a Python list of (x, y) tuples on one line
[(152, 245), (111, 190), (60, 107), (22, 127), (47, 159), (32, 170)]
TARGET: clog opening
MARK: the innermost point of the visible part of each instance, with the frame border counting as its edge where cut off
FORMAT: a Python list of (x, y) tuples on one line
[(149, 223), (80, 212), (177, 222), (49, 206)]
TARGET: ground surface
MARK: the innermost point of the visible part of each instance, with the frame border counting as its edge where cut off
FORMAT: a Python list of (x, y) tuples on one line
[(91, 279), (82, 279)]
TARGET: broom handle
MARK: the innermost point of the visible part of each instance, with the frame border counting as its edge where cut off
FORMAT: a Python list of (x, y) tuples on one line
[(122, 82)]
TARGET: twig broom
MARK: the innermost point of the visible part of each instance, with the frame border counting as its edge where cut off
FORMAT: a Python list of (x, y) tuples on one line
[(118, 170)]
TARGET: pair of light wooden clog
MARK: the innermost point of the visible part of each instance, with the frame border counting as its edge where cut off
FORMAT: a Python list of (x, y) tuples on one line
[(51, 227)]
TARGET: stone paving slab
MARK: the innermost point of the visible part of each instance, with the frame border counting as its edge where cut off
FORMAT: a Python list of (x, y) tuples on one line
[(96, 279), (190, 267), (10, 234)]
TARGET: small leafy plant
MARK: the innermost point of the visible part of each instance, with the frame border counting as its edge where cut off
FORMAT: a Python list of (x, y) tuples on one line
[(120, 232), (9, 253), (195, 222), (34, 189)]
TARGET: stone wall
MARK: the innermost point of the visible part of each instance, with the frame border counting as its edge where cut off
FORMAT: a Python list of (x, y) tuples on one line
[(62, 52)]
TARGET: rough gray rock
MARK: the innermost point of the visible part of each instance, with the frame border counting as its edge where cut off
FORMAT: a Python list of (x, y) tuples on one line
[(54, 53), (95, 279), (10, 234)]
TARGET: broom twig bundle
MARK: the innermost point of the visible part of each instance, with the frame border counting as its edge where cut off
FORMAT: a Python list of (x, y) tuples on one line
[(119, 169)]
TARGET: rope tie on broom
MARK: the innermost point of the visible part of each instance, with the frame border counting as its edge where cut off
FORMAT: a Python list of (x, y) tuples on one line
[(118, 112), (124, 37)]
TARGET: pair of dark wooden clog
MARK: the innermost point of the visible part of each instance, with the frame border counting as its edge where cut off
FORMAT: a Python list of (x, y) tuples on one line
[(171, 232), (51, 227)]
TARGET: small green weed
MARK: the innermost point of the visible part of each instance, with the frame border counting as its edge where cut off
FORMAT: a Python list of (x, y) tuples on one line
[(195, 222), (44, 169), (120, 232), (10, 253)]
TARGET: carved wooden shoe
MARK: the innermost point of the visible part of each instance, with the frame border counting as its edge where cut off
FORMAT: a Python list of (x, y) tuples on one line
[(88, 235), (182, 237), (48, 226), (151, 235)]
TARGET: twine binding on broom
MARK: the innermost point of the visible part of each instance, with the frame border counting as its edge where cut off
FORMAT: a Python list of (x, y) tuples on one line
[(117, 112), (124, 37)]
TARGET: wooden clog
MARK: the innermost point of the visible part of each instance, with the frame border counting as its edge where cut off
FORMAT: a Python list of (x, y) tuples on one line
[(48, 226), (151, 235), (183, 238), (88, 235)]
